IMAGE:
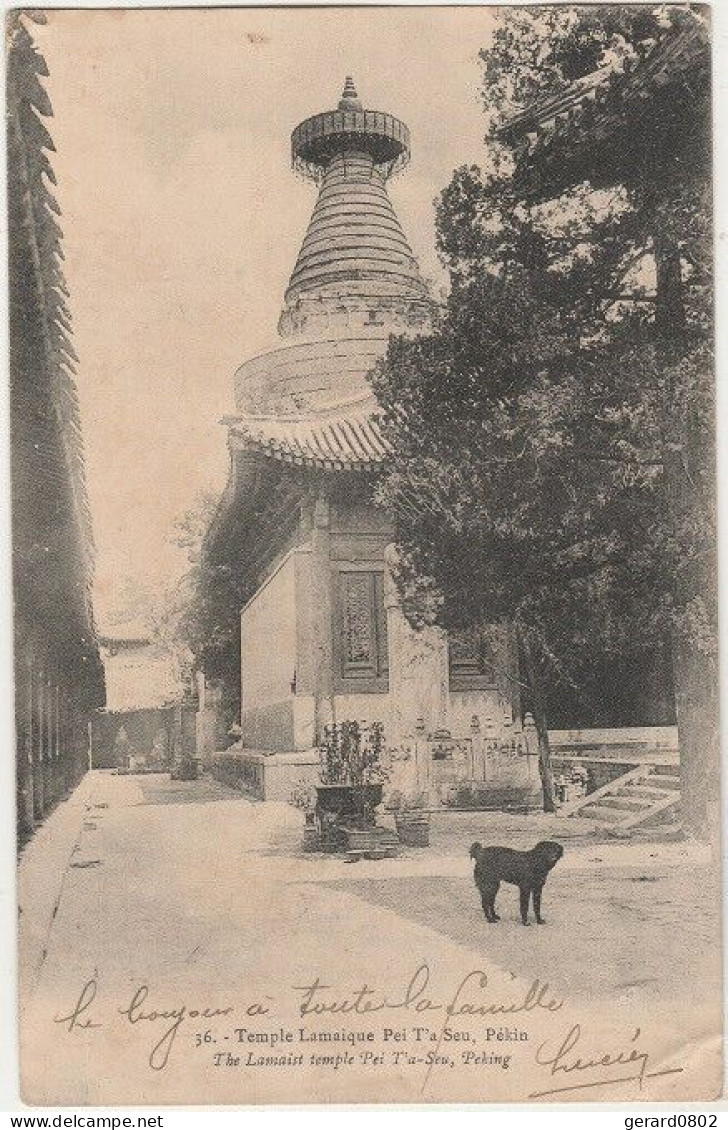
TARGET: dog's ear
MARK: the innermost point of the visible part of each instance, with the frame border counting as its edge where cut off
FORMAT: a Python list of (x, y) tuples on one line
[(474, 850)]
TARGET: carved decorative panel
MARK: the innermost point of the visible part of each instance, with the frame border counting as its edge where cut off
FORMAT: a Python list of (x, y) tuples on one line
[(473, 658), (360, 631), (359, 626)]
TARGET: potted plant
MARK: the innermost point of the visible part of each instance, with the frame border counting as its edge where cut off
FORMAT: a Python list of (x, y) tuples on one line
[(411, 818), (303, 797), (352, 776), (352, 780)]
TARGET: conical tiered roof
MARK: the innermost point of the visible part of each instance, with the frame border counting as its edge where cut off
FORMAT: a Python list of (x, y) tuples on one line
[(355, 244)]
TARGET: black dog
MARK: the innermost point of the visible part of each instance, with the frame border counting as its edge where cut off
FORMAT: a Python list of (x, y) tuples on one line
[(527, 870)]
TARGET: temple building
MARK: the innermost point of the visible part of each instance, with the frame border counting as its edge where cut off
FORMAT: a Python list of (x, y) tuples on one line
[(136, 729), (322, 634)]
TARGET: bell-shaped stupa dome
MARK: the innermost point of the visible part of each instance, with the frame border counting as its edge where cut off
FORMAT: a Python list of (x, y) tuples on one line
[(355, 280), (355, 253)]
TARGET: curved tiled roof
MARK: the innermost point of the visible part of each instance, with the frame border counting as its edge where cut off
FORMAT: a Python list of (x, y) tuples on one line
[(351, 441)]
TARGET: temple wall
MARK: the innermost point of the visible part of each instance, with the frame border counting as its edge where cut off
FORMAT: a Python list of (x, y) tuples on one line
[(419, 680), (293, 683), (487, 705), (364, 708), (268, 661)]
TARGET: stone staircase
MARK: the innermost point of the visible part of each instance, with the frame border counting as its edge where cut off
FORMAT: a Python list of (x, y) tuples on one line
[(630, 799)]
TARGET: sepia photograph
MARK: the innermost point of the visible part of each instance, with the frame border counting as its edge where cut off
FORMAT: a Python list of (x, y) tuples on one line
[(364, 555)]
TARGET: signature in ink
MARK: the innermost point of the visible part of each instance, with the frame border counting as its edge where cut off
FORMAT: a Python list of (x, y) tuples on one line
[(568, 1062)]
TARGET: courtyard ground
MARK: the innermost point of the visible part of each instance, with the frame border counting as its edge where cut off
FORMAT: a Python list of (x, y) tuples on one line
[(205, 897)]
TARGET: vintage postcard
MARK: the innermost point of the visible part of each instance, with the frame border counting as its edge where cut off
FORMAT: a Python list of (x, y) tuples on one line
[(364, 549)]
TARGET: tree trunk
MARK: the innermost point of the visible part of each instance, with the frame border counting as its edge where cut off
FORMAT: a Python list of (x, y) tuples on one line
[(533, 682), (670, 302), (689, 471), (689, 488), (697, 720)]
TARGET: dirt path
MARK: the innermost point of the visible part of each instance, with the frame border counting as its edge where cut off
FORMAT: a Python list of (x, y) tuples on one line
[(191, 898)]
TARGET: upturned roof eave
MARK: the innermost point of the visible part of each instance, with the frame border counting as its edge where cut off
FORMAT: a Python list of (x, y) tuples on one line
[(336, 443)]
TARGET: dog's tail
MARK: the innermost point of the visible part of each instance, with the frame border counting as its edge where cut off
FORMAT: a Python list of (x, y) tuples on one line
[(475, 850)]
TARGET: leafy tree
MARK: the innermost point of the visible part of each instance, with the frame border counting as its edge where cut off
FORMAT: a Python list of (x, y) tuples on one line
[(197, 616), (553, 436)]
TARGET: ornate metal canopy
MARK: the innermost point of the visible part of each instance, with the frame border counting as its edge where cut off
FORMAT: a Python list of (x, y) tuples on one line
[(349, 128)]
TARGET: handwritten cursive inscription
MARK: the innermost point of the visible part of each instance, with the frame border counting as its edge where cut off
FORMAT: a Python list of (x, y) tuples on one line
[(568, 1059), (136, 1014), (316, 999), (472, 997), (77, 1017)]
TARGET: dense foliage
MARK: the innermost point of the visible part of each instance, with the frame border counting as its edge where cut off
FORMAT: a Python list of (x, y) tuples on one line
[(197, 616), (553, 436)]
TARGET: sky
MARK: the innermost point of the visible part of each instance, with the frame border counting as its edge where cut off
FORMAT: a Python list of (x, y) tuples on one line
[(182, 219)]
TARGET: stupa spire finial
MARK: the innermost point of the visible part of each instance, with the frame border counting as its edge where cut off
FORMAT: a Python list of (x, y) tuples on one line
[(349, 99), (315, 142)]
